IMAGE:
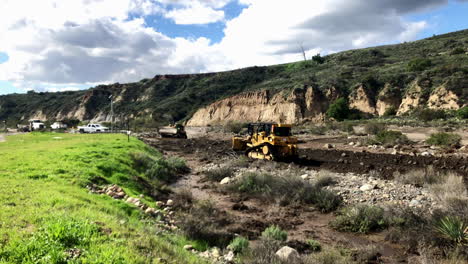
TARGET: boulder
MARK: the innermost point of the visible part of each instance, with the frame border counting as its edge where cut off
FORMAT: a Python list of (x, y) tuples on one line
[(305, 176), (367, 187), (169, 203), (288, 254), (229, 257), (226, 180)]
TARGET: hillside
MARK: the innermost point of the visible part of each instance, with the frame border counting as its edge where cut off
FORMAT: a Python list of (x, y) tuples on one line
[(429, 73)]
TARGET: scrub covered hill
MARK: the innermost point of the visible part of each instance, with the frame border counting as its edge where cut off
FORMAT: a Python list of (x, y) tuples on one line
[(424, 66)]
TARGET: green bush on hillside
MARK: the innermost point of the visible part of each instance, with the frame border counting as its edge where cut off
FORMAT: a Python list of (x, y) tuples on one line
[(444, 139), (339, 110), (360, 219), (391, 137), (239, 244), (419, 64), (318, 59), (462, 113), (426, 114), (274, 232)]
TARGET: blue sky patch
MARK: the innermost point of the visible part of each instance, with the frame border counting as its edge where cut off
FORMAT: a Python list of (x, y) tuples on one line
[(452, 17), (3, 57)]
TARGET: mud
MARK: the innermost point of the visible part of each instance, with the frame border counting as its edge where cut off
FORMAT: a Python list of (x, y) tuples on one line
[(249, 217)]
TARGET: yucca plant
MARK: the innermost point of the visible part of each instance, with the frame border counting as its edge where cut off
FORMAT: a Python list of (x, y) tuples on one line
[(453, 229)]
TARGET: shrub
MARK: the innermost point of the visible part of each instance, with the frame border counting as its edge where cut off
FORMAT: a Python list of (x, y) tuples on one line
[(239, 244), (449, 186), (360, 219), (141, 160), (274, 233), (324, 179), (263, 253), (159, 170), (462, 113), (201, 223), (318, 59), (314, 245), (426, 114), (390, 111), (419, 177), (419, 64), (166, 169), (444, 139), (339, 110), (332, 256), (457, 50), (218, 174), (374, 128), (234, 127), (391, 137), (183, 199), (177, 164), (292, 188), (453, 229)]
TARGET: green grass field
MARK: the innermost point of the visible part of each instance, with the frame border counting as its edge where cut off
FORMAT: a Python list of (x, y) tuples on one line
[(48, 216)]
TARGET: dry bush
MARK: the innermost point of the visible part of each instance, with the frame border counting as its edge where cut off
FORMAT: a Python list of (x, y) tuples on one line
[(263, 253), (452, 187), (419, 177), (325, 178), (331, 256), (183, 199), (374, 128), (367, 254), (218, 174), (289, 188), (204, 222)]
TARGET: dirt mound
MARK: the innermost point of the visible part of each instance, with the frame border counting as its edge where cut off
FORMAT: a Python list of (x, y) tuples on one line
[(384, 164)]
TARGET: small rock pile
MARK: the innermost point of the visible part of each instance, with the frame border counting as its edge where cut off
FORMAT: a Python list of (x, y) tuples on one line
[(113, 191), (162, 211), (367, 189), (214, 255)]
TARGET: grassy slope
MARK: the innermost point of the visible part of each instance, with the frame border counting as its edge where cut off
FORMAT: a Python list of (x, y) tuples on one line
[(177, 97), (45, 210)]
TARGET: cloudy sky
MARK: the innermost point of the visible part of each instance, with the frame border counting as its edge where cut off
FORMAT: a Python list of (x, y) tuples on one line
[(56, 45)]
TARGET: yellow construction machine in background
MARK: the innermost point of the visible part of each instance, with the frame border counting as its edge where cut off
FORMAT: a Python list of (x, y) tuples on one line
[(268, 141)]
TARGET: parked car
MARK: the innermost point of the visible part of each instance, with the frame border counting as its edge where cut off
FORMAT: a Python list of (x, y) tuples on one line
[(58, 125), (35, 124), (93, 128)]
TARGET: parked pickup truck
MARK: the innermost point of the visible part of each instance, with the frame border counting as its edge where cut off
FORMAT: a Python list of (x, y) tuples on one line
[(92, 128)]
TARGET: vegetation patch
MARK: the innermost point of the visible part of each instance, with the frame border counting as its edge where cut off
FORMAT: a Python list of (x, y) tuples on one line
[(239, 244), (290, 189), (360, 219), (275, 233), (55, 219), (444, 139), (390, 137)]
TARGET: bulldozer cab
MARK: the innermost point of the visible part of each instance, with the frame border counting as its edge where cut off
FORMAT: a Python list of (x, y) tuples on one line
[(269, 129)]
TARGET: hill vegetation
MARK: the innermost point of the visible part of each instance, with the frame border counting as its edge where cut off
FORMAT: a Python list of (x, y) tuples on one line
[(431, 62)]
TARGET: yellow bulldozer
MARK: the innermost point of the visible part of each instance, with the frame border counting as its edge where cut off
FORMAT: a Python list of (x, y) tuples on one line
[(268, 141)]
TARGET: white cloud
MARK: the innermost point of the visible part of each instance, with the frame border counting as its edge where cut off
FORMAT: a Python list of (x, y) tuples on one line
[(63, 43), (195, 13)]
